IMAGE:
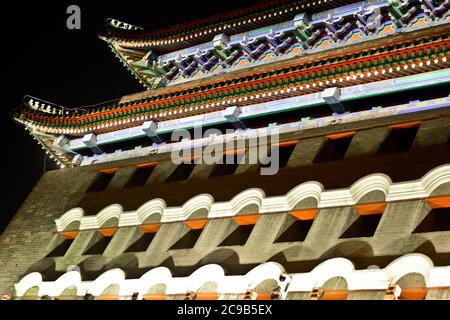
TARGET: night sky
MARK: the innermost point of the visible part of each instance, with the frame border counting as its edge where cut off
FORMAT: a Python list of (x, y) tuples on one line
[(72, 68)]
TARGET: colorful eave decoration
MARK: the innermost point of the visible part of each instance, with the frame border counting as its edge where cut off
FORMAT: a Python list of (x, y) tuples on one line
[(252, 41), (335, 48)]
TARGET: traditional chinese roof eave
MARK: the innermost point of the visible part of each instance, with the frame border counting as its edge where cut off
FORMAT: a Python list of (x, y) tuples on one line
[(169, 39), (155, 66), (136, 102), (397, 39)]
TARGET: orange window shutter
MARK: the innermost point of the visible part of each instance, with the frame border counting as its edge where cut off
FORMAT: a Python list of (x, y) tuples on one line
[(150, 228), (207, 296), (108, 297), (341, 135), (154, 296), (335, 295), (147, 164), (406, 125), (264, 296), (286, 143), (413, 293), (109, 170), (70, 234), (370, 208), (246, 219), (234, 151), (196, 224), (107, 232), (309, 214), (439, 202)]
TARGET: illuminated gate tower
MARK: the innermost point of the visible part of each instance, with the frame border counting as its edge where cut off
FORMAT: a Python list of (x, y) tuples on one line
[(354, 96)]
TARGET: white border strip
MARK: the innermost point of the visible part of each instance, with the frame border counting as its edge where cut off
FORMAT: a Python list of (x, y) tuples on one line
[(375, 279), (420, 188)]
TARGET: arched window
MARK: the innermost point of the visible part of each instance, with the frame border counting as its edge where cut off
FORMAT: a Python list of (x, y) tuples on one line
[(102, 180), (64, 242), (70, 293), (208, 291), (265, 288), (335, 147), (189, 239), (103, 237), (400, 138), (110, 293), (141, 174), (413, 287), (31, 294), (298, 224), (335, 289), (366, 215), (156, 292), (438, 218)]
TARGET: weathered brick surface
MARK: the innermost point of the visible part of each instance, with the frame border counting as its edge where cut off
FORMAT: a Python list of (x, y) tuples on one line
[(432, 132), (305, 151), (121, 177), (366, 141)]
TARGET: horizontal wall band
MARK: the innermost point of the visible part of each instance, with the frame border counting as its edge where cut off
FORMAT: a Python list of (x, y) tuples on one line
[(368, 279), (416, 189), (282, 105), (300, 126)]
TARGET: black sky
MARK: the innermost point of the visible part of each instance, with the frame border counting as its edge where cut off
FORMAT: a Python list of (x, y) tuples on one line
[(73, 68)]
